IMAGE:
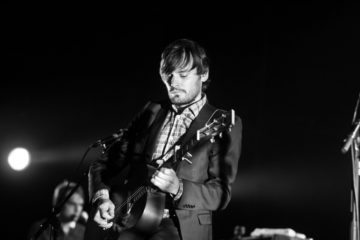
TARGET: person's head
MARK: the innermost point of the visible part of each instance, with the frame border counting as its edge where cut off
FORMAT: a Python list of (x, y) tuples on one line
[(73, 207), (184, 69)]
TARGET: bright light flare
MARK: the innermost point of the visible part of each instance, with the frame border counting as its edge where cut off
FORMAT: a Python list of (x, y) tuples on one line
[(19, 159)]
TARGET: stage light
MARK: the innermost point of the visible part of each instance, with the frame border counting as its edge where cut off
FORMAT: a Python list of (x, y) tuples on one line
[(19, 159)]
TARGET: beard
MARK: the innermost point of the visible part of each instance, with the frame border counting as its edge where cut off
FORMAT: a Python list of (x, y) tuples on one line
[(180, 97)]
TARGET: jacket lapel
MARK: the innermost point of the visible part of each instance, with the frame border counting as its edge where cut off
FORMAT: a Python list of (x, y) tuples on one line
[(154, 131)]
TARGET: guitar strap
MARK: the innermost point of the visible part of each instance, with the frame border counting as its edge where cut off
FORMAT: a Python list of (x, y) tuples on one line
[(203, 117)]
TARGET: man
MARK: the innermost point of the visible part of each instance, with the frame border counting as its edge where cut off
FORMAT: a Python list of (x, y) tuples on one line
[(193, 188), (69, 224)]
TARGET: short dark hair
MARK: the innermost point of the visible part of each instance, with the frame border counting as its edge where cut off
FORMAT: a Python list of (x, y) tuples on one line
[(63, 189), (179, 54)]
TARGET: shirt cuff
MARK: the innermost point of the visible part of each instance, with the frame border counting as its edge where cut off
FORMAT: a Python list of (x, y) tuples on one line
[(103, 193), (178, 195)]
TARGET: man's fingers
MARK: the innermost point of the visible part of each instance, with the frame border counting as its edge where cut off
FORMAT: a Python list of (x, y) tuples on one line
[(159, 182), (107, 210), (101, 221), (112, 211), (105, 226), (107, 215), (168, 171), (165, 173)]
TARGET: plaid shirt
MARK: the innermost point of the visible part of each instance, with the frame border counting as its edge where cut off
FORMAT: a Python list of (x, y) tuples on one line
[(175, 125)]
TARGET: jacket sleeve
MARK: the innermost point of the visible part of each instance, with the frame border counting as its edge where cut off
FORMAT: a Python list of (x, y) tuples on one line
[(214, 192), (116, 158)]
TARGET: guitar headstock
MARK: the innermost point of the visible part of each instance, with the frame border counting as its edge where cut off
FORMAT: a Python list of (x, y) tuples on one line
[(220, 122)]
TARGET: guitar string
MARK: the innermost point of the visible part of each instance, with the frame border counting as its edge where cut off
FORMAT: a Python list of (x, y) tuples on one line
[(138, 191), (133, 195)]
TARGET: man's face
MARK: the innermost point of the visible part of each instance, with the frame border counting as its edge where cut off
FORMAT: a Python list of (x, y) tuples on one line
[(183, 85), (72, 208)]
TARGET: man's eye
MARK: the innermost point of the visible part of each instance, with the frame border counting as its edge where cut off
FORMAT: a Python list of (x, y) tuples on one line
[(183, 75)]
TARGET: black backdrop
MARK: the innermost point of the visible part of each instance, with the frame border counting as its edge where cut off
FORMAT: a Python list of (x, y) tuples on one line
[(73, 73)]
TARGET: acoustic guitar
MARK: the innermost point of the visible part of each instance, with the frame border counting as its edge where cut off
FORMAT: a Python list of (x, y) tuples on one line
[(139, 204)]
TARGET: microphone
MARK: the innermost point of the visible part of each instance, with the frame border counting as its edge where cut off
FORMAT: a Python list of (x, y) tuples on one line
[(109, 139), (350, 138)]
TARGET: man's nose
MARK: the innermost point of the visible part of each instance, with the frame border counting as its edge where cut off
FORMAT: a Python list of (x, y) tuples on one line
[(173, 79)]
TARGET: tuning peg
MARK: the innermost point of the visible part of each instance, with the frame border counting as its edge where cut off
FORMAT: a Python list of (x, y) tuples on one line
[(186, 157), (220, 135), (212, 140)]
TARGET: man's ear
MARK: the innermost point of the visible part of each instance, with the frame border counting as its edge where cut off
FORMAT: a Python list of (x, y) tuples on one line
[(204, 77)]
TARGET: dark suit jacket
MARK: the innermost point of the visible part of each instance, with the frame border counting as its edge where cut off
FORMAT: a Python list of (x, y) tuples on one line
[(206, 182)]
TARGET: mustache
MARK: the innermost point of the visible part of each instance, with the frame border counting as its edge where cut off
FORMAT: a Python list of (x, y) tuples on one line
[(176, 89)]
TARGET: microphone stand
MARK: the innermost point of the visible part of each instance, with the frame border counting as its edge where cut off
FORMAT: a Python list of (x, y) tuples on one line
[(51, 219), (353, 141), (355, 192)]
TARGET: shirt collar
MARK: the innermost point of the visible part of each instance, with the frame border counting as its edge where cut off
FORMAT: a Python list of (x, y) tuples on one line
[(193, 108)]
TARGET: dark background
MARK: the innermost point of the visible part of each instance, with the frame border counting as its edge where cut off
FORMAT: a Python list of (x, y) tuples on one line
[(74, 73)]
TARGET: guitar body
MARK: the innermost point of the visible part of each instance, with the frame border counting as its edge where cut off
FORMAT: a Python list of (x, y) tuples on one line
[(146, 213), (138, 206)]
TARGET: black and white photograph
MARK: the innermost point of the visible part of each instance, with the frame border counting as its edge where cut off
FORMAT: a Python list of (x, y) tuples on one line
[(180, 121)]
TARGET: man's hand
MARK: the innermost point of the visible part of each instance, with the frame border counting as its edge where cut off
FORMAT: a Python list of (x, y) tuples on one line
[(104, 213), (166, 180)]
